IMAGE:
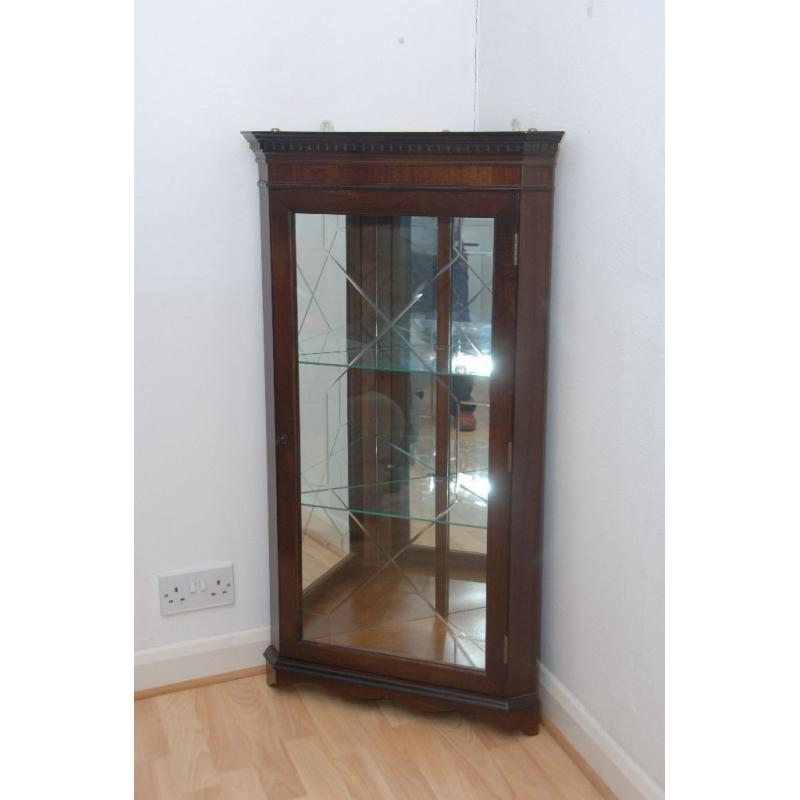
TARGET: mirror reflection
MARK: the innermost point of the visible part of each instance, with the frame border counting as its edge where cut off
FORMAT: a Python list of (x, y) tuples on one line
[(394, 342)]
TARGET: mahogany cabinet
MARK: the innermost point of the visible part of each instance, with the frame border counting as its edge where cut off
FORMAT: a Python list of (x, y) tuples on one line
[(406, 277)]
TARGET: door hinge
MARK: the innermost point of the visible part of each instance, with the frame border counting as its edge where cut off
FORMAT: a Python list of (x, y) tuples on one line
[(505, 649), (515, 251), (510, 455)]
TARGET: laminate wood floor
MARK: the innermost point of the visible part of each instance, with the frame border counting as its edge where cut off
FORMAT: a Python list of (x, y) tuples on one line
[(244, 740)]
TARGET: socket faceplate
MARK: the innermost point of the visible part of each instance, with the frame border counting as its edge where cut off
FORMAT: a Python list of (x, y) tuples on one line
[(191, 590)]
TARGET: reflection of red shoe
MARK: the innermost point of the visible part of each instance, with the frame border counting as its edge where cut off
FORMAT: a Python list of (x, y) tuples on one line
[(467, 421)]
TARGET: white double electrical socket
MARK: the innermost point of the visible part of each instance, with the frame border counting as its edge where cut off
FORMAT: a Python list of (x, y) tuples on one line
[(191, 590)]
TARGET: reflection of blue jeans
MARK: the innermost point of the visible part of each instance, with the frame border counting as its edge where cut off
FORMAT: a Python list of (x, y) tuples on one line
[(423, 268), (459, 291), (460, 385)]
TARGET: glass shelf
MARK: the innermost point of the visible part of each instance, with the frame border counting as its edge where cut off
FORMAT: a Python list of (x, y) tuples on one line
[(410, 499), (409, 347)]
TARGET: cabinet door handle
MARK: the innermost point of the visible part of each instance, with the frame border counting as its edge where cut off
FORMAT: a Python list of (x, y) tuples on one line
[(282, 439)]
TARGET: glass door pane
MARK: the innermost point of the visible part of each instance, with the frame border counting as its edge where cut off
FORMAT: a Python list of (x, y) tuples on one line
[(394, 348)]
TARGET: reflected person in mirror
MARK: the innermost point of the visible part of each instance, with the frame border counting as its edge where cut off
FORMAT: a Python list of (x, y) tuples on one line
[(424, 266)]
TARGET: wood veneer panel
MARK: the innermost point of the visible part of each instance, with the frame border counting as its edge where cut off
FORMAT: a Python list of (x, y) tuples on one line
[(287, 422), (394, 174), (529, 426), (442, 427)]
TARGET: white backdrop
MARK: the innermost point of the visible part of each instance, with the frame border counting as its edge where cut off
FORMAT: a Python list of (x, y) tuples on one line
[(205, 71), (594, 69)]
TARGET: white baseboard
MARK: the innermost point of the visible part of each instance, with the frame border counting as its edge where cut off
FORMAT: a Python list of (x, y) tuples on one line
[(199, 658), (613, 764)]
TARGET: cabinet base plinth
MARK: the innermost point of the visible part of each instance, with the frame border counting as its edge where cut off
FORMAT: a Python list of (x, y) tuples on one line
[(513, 713)]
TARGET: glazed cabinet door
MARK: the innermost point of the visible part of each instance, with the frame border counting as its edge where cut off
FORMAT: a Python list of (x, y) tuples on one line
[(393, 369)]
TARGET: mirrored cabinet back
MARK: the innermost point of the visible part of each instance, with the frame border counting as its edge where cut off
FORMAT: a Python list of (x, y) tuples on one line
[(406, 280)]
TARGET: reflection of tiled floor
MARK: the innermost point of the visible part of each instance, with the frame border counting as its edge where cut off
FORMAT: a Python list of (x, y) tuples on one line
[(392, 611)]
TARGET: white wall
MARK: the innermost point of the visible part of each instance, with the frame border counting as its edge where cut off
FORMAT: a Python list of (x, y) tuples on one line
[(205, 71), (594, 70)]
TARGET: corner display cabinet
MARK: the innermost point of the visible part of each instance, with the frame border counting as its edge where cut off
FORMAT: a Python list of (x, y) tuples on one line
[(406, 280)]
